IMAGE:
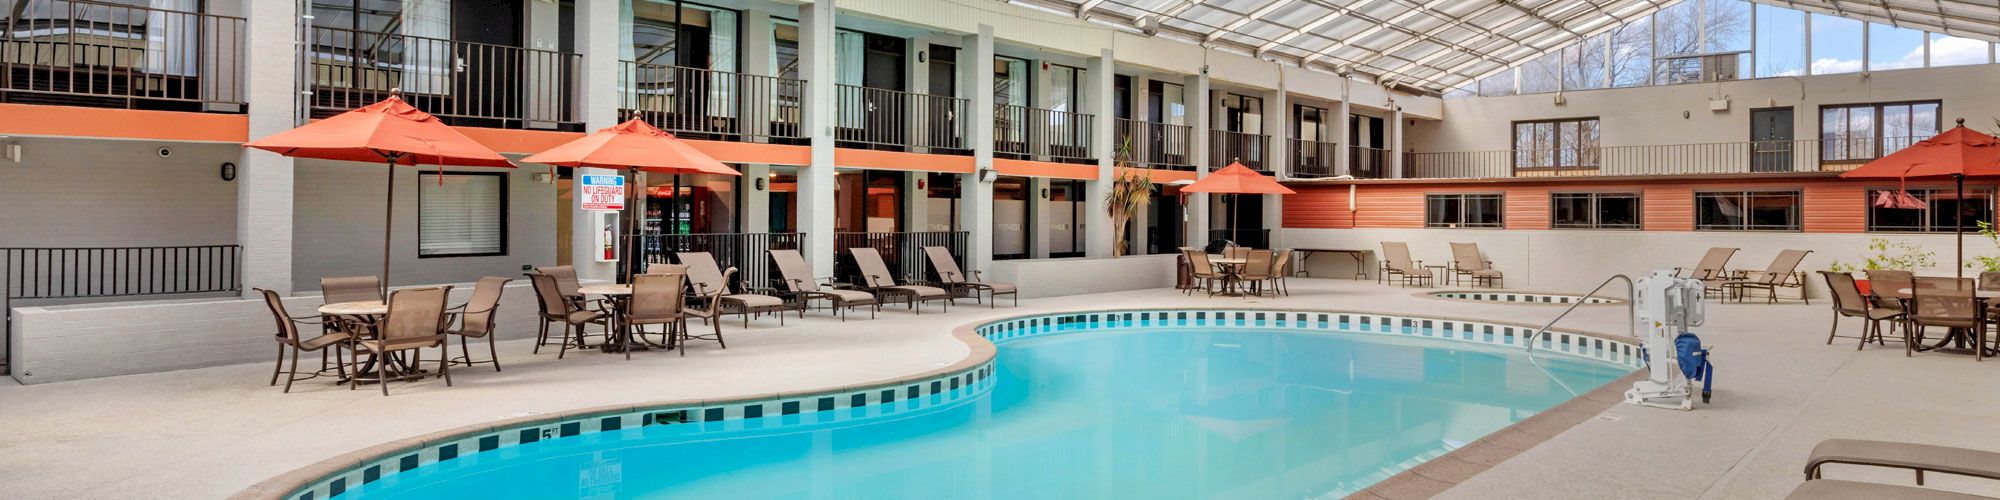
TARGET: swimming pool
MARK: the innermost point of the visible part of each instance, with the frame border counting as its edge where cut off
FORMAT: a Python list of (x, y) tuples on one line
[(1240, 404)]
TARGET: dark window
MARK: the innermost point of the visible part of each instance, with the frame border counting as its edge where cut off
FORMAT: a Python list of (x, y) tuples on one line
[(1462, 210), (1594, 211), (1862, 132), (461, 214), (1570, 143), (1747, 211), (1941, 208)]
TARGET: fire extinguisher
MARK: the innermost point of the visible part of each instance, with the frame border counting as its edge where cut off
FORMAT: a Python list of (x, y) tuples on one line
[(610, 242)]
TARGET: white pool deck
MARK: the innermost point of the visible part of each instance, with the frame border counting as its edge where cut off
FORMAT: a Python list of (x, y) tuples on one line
[(208, 433)]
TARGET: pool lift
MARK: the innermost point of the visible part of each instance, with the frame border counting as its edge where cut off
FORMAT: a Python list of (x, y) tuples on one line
[(1665, 307)]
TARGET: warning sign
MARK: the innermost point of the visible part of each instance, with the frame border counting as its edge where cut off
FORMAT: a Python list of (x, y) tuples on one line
[(602, 193)]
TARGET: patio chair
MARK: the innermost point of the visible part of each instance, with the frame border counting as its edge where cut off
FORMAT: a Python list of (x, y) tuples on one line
[(1396, 260), (556, 309), (1202, 270), (288, 336), (711, 314), (1781, 274), (1467, 262), (416, 321), (953, 278), (1279, 275), (876, 278), (1949, 303), (1257, 270), (1236, 252), (707, 280), (1883, 285), (1848, 302), (797, 277), (350, 289), (657, 299), (569, 285), (1918, 458), (475, 320)]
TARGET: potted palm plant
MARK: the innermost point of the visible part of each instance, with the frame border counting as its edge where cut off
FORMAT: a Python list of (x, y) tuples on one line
[(1131, 194)]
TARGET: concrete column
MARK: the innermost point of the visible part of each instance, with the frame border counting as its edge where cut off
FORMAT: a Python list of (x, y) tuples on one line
[(597, 39), (1395, 141), (1278, 124), (1200, 108), (1097, 96), (975, 213), (1341, 117), (754, 205), (1040, 224), (916, 201), (815, 196), (265, 179)]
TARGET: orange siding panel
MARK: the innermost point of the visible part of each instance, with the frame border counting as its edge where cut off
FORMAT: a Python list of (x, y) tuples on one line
[(1667, 208), (1831, 205), (1527, 207), (1836, 208), (74, 121)]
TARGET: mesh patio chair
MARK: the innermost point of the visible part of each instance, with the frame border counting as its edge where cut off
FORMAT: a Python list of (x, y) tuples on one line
[(1396, 260), (1849, 303), (475, 320), (1257, 270), (1884, 286), (1235, 252), (1949, 303), (350, 289), (797, 277), (569, 286), (1280, 272), (1781, 274), (1712, 270), (416, 321), (657, 299), (288, 336), (1202, 270), (876, 278), (1467, 262), (711, 314), (707, 280), (556, 309), (955, 280)]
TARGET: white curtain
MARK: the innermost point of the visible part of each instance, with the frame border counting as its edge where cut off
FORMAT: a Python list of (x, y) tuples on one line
[(171, 37), (722, 57), (429, 59), (847, 56)]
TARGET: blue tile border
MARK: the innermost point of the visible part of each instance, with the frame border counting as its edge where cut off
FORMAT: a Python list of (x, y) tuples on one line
[(1515, 297)]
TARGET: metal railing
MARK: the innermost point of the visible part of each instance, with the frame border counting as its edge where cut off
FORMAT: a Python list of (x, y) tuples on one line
[(96, 272), (1245, 237), (1631, 309), (709, 104), (1157, 145), (1035, 133), (749, 253), (1248, 149), (101, 54), (1801, 155), (464, 83), (1368, 163), (1312, 159), (893, 119), (903, 252)]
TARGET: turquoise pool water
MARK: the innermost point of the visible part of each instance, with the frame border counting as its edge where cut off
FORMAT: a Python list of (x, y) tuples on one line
[(1154, 412)]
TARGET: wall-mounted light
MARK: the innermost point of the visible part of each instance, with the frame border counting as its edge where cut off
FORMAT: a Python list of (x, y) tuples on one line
[(12, 150), (1045, 193), (988, 175), (228, 171), (920, 183), (762, 183), (921, 57)]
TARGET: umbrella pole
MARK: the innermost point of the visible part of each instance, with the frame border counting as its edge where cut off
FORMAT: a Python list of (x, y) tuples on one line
[(389, 221), (1958, 222)]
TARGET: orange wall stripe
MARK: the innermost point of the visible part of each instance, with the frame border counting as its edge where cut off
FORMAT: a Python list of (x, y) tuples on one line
[(1008, 166), (73, 121), (897, 160), (1162, 176), (750, 152)]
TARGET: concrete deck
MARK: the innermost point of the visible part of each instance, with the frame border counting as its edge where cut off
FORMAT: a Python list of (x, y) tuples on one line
[(208, 433)]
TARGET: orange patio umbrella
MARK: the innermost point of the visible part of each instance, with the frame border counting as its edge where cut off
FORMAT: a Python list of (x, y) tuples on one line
[(391, 132), (1955, 154), (635, 145), (1236, 179)]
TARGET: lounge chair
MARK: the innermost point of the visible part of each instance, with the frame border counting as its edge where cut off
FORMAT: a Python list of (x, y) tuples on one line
[(709, 281), (416, 321), (1918, 458), (1396, 260), (475, 320), (656, 299), (1834, 489), (1849, 303), (558, 309), (797, 278), (1711, 267), (876, 278), (288, 336), (1781, 274), (953, 278), (1466, 262)]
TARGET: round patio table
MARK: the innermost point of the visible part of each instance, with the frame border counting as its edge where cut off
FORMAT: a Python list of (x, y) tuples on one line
[(615, 295), (1958, 339), (367, 312), (1232, 271)]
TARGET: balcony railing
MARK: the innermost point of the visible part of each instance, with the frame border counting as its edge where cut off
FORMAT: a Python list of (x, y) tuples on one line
[(903, 252), (1034, 133), (892, 119), (97, 272), (1157, 145), (465, 83), (1312, 159), (86, 53), (1805, 155), (1248, 149), (749, 253), (1368, 163), (698, 103)]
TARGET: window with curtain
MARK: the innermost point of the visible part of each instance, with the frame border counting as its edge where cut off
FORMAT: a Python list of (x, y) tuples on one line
[(1942, 209), (1568, 143), (1463, 210), (461, 214), (1010, 81), (1862, 132), (1748, 210), (400, 43)]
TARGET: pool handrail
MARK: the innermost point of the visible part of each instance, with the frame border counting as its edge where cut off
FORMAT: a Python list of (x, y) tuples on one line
[(1631, 309)]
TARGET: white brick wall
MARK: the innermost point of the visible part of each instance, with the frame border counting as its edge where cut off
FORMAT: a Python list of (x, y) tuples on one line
[(1059, 277), (79, 192), (59, 343)]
